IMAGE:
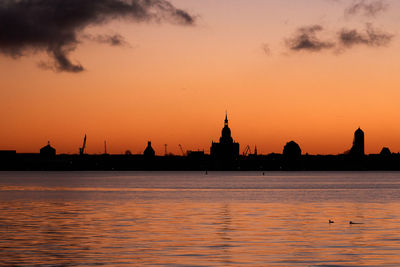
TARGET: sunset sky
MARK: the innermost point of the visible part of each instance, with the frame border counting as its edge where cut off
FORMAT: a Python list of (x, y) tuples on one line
[(312, 71)]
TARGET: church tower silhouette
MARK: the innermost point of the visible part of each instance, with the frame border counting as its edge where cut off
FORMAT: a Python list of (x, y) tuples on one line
[(358, 143), (226, 152)]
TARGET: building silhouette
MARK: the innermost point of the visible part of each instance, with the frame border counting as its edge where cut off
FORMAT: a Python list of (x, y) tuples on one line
[(48, 151), (224, 155), (291, 156), (149, 151), (385, 152), (226, 152), (358, 143), (291, 150)]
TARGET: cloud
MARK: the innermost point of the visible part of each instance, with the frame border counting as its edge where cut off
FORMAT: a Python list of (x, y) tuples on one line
[(306, 39), (333, 1), (368, 9), (266, 49), (113, 40), (370, 37), (55, 26)]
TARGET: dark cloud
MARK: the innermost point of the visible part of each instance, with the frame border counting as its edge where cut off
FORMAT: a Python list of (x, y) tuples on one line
[(306, 39), (55, 26), (113, 40), (369, 37), (369, 9)]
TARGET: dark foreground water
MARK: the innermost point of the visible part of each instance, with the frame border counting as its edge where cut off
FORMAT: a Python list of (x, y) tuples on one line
[(190, 219)]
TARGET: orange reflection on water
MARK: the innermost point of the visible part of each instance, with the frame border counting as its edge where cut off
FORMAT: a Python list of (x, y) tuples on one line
[(194, 233)]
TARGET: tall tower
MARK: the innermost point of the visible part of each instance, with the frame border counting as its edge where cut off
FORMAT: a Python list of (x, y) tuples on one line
[(358, 143), (149, 151), (226, 136), (226, 152)]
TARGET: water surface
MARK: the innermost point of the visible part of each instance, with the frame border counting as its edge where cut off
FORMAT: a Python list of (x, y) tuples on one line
[(193, 219)]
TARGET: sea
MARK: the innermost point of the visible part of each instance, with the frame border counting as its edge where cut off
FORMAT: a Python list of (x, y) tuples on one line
[(199, 219)]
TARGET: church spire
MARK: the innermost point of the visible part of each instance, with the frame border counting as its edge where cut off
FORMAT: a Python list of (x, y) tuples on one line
[(226, 118)]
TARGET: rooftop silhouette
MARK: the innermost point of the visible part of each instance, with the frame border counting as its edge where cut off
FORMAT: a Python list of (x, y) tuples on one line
[(48, 151), (224, 155)]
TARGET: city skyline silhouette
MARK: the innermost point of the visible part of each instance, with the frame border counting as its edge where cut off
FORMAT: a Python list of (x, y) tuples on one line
[(199, 133), (165, 72), (224, 155), (227, 143)]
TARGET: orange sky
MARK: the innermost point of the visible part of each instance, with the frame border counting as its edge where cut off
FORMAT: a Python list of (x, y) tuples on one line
[(174, 83)]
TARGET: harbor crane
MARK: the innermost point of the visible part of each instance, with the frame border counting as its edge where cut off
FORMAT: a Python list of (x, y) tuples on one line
[(183, 153), (247, 151), (82, 149)]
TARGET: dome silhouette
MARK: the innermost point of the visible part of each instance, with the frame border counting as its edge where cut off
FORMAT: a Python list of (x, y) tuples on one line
[(385, 152), (48, 151), (226, 136), (292, 150)]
